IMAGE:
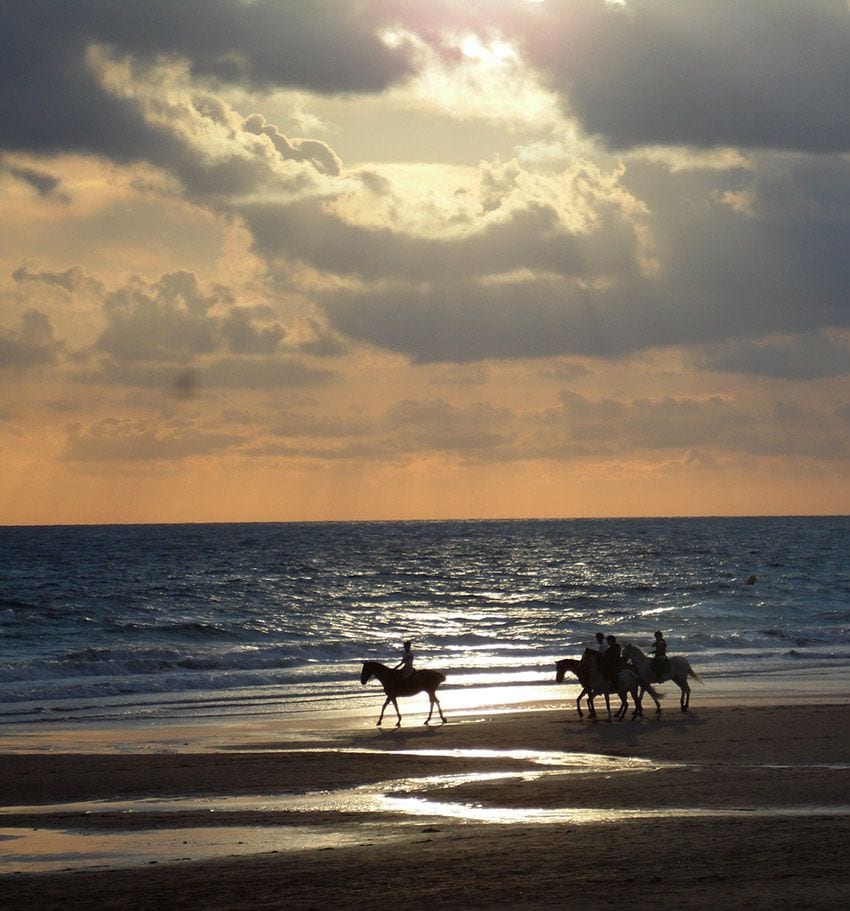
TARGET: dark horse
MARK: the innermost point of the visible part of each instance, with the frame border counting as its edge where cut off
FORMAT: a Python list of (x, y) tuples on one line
[(395, 685), (594, 682)]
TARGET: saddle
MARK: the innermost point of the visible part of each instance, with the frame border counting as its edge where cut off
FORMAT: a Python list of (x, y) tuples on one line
[(660, 666)]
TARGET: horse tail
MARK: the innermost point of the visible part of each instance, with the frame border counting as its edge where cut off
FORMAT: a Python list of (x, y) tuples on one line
[(441, 678), (692, 672)]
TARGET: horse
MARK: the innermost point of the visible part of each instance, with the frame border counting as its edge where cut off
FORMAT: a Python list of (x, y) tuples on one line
[(396, 685), (594, 681), (574, 666), (680, 671)]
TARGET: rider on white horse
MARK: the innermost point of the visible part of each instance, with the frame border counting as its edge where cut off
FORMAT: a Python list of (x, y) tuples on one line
[(660, 661)]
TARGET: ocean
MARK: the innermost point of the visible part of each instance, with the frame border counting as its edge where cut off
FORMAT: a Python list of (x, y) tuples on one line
[(192, 622)]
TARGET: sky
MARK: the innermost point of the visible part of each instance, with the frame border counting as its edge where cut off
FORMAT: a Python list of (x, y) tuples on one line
[(267, 260)]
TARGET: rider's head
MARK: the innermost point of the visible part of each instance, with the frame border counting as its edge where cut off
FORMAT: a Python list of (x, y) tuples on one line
[(611, 640), (658, 634), (599, 637), (407, 645)]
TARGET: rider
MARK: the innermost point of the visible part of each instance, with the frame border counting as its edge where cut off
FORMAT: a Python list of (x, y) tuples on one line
[(406, 663), (599, 646), (660, 662), (612, 658)]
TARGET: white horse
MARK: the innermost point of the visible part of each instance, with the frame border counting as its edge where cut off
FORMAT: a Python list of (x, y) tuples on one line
[(679, 672)]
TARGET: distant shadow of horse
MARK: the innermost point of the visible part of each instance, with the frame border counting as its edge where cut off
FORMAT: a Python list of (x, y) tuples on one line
[(395, 686)]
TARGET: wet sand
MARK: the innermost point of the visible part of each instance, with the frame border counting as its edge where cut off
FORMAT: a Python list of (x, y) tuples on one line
[(726, 807)]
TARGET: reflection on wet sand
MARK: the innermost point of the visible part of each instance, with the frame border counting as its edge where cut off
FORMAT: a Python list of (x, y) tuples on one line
[(72, 835)]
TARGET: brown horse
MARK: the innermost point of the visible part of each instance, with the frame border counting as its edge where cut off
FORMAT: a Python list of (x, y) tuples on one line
[(396, 685)]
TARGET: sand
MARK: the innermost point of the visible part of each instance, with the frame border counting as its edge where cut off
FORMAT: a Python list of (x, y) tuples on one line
[(726, 807)]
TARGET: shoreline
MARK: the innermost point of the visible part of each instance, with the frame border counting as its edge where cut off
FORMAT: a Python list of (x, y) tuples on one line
[(727, 805), (803, 686)]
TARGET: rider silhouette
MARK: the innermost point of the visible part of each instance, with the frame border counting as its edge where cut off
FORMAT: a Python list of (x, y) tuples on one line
[(406, 663), (660, 662), (612, 659)]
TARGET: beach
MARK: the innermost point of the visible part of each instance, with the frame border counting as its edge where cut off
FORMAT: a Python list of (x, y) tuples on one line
[(724, 807)]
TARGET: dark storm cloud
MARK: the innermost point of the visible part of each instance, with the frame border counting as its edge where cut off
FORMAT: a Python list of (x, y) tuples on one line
[(760, 73), (51, 102)]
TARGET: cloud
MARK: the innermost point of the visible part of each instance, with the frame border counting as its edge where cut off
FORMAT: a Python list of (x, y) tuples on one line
[(43, 182), (319, 153), (222, 373), (167, 321), (51, 99), (309, 232), (117, 440), (813, 355), (438, 426), (761, 74), (616, 428), (30, 344), (675, 262), (71, 280), (180, 335)]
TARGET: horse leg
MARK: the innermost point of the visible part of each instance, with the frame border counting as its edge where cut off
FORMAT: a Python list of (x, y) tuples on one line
[(578, 703), (654, 698), (685, 698), (435, 700), (383, 709), (608, 705), (440, 709), (395, 706), (624, 707), (636, 695)]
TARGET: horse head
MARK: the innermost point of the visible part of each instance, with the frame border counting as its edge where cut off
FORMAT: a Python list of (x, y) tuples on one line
[(366, 673), (560, 670)]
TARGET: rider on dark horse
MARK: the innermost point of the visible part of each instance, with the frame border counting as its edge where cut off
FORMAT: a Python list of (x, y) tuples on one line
[(594, 652), (406, 663), (612, 661)]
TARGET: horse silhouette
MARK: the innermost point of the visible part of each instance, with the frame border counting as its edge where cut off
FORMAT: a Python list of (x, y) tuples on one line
[(594, 682), (396, 685), (680, 671)]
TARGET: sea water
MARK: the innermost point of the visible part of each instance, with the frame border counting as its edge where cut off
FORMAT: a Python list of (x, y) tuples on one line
[(236, 620)]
